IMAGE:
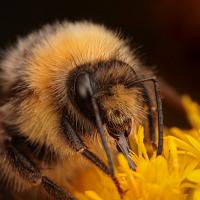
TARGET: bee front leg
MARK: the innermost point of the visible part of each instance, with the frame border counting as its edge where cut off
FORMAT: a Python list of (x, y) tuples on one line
[(76, 143), (29, 172)]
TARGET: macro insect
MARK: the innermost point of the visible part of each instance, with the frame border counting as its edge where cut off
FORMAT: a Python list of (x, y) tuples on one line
[(60, 86)]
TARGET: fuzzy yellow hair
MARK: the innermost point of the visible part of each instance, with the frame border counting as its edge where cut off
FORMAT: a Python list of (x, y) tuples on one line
[(42, 62)]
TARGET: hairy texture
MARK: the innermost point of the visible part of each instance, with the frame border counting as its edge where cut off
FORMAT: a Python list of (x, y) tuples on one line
[(35, 82), (43, 61)]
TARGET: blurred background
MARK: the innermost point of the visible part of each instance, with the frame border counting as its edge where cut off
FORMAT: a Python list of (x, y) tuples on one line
[(165, 32)]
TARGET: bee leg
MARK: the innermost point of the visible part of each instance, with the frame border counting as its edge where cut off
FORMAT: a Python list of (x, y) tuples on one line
[(77, 144), (29, 172), (57, 192), (151, 117), (159, 110)]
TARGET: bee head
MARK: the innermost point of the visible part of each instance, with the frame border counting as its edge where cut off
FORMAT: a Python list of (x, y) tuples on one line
[(105, 93), (118, 103)]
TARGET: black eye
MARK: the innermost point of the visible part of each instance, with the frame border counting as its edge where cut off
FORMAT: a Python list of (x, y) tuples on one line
[(82, 95)]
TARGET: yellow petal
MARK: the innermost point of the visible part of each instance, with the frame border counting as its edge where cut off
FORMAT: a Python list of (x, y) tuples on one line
[(194, 142), (194, 176), (193, 110), (184, 145), (92, 195), (196, 195)]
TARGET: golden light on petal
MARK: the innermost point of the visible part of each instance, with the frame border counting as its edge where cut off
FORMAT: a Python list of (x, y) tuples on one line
[(193, 110), (174, 175)]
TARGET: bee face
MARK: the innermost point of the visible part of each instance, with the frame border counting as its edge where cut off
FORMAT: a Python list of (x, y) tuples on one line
[(118, 103)]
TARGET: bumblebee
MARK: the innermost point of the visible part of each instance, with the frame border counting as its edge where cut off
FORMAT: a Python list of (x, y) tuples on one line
[(61, 87)]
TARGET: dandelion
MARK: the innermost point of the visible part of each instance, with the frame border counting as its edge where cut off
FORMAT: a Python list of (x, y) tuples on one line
[(174, 175)]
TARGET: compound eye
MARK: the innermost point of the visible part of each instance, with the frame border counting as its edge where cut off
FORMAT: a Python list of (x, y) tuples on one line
[(81, 86), (83, 94)]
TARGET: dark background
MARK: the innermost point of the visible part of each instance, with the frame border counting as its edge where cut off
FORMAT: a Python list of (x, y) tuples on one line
[(166, 32)]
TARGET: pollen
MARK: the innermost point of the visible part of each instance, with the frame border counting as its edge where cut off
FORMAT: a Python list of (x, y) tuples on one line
[(173, 175)]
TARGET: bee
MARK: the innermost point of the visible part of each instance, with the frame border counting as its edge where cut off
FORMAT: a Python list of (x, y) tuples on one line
[(61, 87)]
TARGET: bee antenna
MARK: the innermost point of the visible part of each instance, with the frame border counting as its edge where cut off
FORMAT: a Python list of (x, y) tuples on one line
[(85, 90)]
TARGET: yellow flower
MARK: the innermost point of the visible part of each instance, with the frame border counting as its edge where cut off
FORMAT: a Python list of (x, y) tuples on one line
[(174, 175)]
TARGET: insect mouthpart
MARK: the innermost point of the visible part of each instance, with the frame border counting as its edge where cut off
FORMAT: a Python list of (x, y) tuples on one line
[(120, 133)]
